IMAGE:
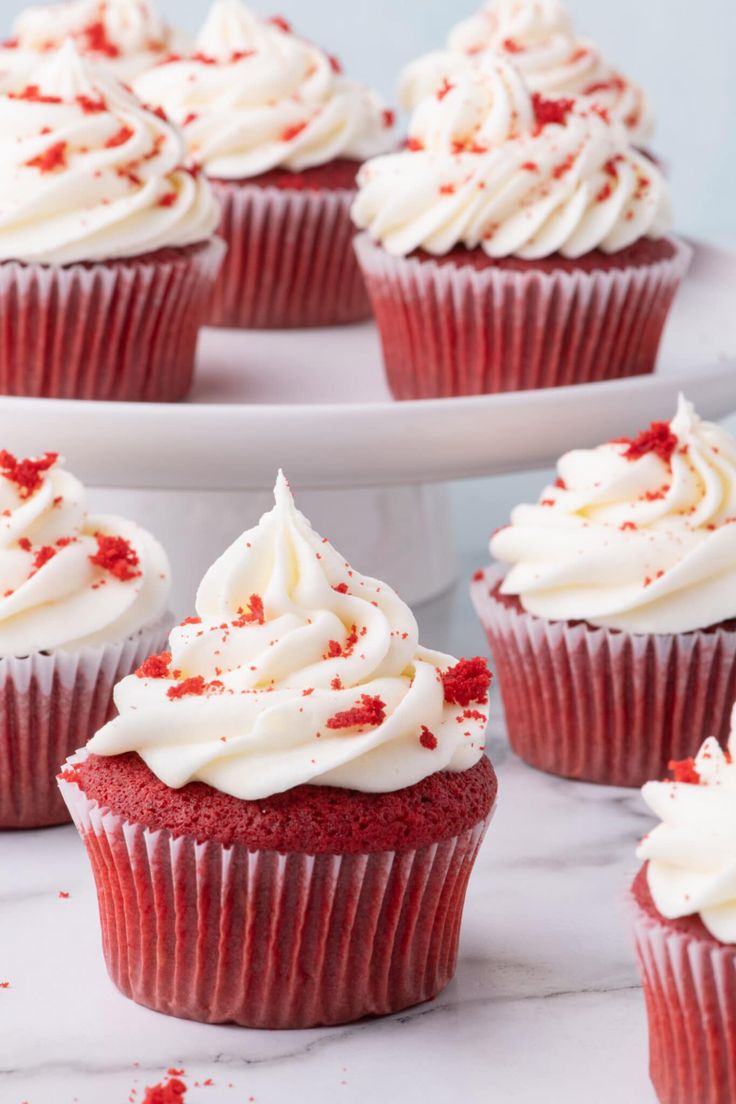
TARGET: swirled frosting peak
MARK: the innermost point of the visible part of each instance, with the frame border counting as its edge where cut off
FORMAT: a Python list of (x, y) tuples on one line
[(637, 535), (297, 669), (691, 854), (539, 38), (68, 579), (491, 165), (256, 97), (87, 173), (127, 36)]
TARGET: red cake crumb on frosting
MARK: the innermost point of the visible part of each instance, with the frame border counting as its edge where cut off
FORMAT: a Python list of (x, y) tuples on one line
[(368, 712), (467, 682), (658, 439), (26, 474), (337, 175), (306, 819), (689, 925), (155, 667), (685, 771), (116, 555)]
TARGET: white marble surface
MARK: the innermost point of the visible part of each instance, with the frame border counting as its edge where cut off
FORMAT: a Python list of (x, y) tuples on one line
[(545, 1006)]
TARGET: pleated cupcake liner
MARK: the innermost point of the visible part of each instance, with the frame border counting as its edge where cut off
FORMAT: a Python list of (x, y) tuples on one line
[(124, 331), (603, 706), (690, 991), (450, 330), (290, 260), (222, 934), (51, 704)]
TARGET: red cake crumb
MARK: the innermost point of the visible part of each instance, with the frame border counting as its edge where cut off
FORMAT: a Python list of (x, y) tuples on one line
[(551, 111), (51, 159), (291, 132), (44, 554), (172, 1092), (168, 200), (63, 895), (190, 621), (155, 667), (90, 106), (685, 771), (427, 739), (389, 118), (26, 474), (4, 984), (33, 94), (191, 687), (123, 135), (254, 615), (94, 38), (658, 439), (116, 555), (341, 588), (307, 819), (467, 682), (414, 145), (369, 711), (282, 24), (444, 90)]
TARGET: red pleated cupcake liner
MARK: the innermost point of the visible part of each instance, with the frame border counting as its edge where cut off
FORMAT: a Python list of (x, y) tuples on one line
[(51, 704), (290, 260), (603, 706), (227, 935), (450, 330), (121, 330), (690, 991)]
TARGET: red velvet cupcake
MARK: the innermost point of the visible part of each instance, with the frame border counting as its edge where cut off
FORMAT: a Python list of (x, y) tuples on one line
[(518, 242), (83, 602), (283, 819), (614, 631), (283, 164), (684, 911), (107, 257)]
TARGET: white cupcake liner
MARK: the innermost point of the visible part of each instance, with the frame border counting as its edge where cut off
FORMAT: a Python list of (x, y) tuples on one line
[(261, 939), (604, 706), (690, 990), (51, 704), (290, 260), (451, 329)]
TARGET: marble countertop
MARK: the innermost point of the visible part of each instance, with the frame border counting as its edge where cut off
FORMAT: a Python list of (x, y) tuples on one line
[(546, 1004)]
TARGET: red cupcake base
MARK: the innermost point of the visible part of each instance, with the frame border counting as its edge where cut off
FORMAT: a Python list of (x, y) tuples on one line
[(466, 324), (689, 982), (290, 260), (49, 706), (228, 934), (121, 330), (604, 706)]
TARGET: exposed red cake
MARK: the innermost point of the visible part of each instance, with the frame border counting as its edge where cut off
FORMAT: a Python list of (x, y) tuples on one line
[(339, 174), (643, 252), (687, 925), (599, 705), (308, 819)]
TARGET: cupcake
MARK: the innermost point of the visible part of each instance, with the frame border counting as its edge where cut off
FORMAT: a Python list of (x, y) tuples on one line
[(538, 37), (106, 250), (124, 36), (302, 781), (684, 905), (517, 242), (614, 629), (281, 133), (83, 603)]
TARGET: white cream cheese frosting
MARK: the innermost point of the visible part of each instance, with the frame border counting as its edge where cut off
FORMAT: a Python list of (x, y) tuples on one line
[(691, 854), (539, 38), (491, 165), (87, 173), (256, 97), (298, 670), (69, 579), (125, 36), (635, 535)]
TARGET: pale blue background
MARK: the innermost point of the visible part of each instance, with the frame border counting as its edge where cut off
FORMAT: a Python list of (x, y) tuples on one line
[(681, 49)]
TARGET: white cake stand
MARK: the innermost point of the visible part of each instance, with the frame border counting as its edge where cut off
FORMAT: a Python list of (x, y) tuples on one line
[(316, 404)]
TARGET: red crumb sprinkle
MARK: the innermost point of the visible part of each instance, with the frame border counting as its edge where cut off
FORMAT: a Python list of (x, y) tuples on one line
[(444, 89), (512, 47), (306, 693), (414, 145), (479, 576), (123, 135), (168, 200), (427, 739), (293, 131), (172, 1092), (564, 167), (116, 555), (90, 106), (389, 118), (560, 484), (341, 588), (191, 687), (63, 895), (684, 770), (530, 166), (51, 159), (467, 682), (26, 474), (190, 621), (551, 111), (658, 439), (155, 667), (369, 711), (33, 94), (547, 502), (605, 193), (94, 38), (25, 544), (335, 64), (282, 24), (254, 615), (627, 525), (4, 984), (336, 683), (44, 554)]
